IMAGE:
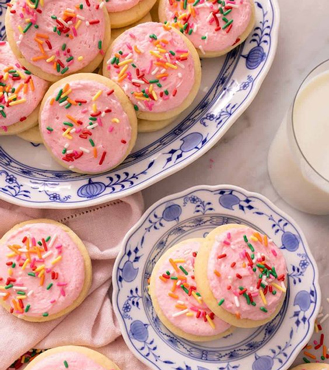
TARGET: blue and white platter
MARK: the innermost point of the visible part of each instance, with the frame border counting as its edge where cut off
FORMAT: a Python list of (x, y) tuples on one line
[(30, 177), (193, 213)]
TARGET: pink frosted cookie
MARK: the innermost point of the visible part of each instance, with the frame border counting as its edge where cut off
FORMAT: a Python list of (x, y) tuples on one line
[(55, 38), (20, 94), (313, 366), (241, 275), (214, 28), (126, 12), (176, 299), (45, 270), (72, 358), (87, 123), (158, 69)]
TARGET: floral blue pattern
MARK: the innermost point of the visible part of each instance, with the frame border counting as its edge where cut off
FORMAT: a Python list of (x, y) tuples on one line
[(193, 214), (230, 91)]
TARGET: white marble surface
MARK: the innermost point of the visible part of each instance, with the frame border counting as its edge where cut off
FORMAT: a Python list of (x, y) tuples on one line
[(240, 158)]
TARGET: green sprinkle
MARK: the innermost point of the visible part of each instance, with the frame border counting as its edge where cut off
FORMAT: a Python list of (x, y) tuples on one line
[(227, 12), (198, 294), (245, 238), (12, 71), (159, 85), (55, 29), (168, 272), (27, 27), (63, 99), (68, 106), (27, 308), (53, 17), (13, 265), (40, 243), (274, 292), (203, 37), (47, 239), (68, 124), (9, 286), (3, 113), (31, 274), (185, 290), (20, 292), (66, 364), (92, 118), (174, 278), (36, 26), (50, 129), (221, 302), (69, 59), (64, 151), (45, 314), (185, 4), (92, 142), (306, 360), (27, 72), (253, 304), (263, 285), (134, 65), (81, 6), (247, 298), (60, 92), (153, 36), (227, 24), (182, 268), (172, 52), (251, 247), (100, 44), (136, 107), (252, 256), (49, 286), (64, 70), (322, 358), (196, 2), (190, 31), (225, 19), (263, 309), (113, 60), (153, 81), (166, 92)]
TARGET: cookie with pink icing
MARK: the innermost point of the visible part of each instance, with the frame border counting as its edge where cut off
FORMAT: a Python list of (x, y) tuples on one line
[(87, 123), (20, 94), (45, 270), (176, 298), (214, 28), (157, 67), (126, 12), (312, 366), (72, 358), (241, 275), (55, 38)]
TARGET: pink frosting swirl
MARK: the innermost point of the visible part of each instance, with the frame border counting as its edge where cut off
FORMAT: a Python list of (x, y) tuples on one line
[(114, 6), (196, 322), (239, 264), (67, 38), (86, 129), (155, 59), (209, 25), (28, 89), (45, 282)]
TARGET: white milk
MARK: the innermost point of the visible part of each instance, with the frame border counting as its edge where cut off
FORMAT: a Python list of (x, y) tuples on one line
[(290, 167)]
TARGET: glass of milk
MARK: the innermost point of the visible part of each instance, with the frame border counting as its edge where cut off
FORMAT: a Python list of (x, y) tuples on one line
[(298, 160)]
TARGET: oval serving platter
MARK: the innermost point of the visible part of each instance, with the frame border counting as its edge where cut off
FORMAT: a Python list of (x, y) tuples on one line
[(192, 214), (29, 176)]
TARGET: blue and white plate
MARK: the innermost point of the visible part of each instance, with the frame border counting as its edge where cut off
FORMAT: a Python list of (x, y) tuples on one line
[(192, 214), (29, 176)]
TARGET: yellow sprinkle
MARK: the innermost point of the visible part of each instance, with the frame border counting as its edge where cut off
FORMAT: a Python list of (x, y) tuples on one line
[(151, 88), (179, 261), (154, 95), (13, 96), (211, 323), (185, 55), (80, 58), (2, 287), (263, 297), (10, 255), (97, 95), (18, 102), (20, 29), (25, 264), (51, 59), (10, 272), (161, 49), (94, 108), (66, 93), (171, 65), (39, 268), (115, 120), (190, 314), (78, 24), (56, 260), (123, 70), (22, 76), (316, 328), (277, 286), (21, 297), (66, 132), (5, 77), (197, 297), (253, 238), (124, 62), (154, 53)]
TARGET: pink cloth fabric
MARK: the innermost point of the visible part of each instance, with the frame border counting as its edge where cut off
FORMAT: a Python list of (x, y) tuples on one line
[(93, 323)]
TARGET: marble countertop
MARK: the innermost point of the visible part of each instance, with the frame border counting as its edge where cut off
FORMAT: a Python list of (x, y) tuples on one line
[(303, 43)]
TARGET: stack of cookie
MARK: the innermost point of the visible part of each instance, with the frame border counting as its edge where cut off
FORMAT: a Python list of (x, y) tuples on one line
[(235, 277), (151, 71)]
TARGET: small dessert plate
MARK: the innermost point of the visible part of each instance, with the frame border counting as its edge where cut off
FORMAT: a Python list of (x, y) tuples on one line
[(190, 214)]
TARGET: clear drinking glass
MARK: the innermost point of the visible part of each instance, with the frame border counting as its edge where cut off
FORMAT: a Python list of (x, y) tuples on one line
[(298, 160)]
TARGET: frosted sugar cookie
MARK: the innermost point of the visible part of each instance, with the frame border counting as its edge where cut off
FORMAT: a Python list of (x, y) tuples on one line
[(116, 32), (157, 67), (176, 299), (72, 358), (45, 270), (87, 123), (241, 275), (314, 366), (55, 38), (126, 12), (214, 28), (32, 135), (20, 94)]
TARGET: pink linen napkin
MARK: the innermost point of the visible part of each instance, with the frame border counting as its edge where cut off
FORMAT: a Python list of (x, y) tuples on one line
[(93, 323)]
